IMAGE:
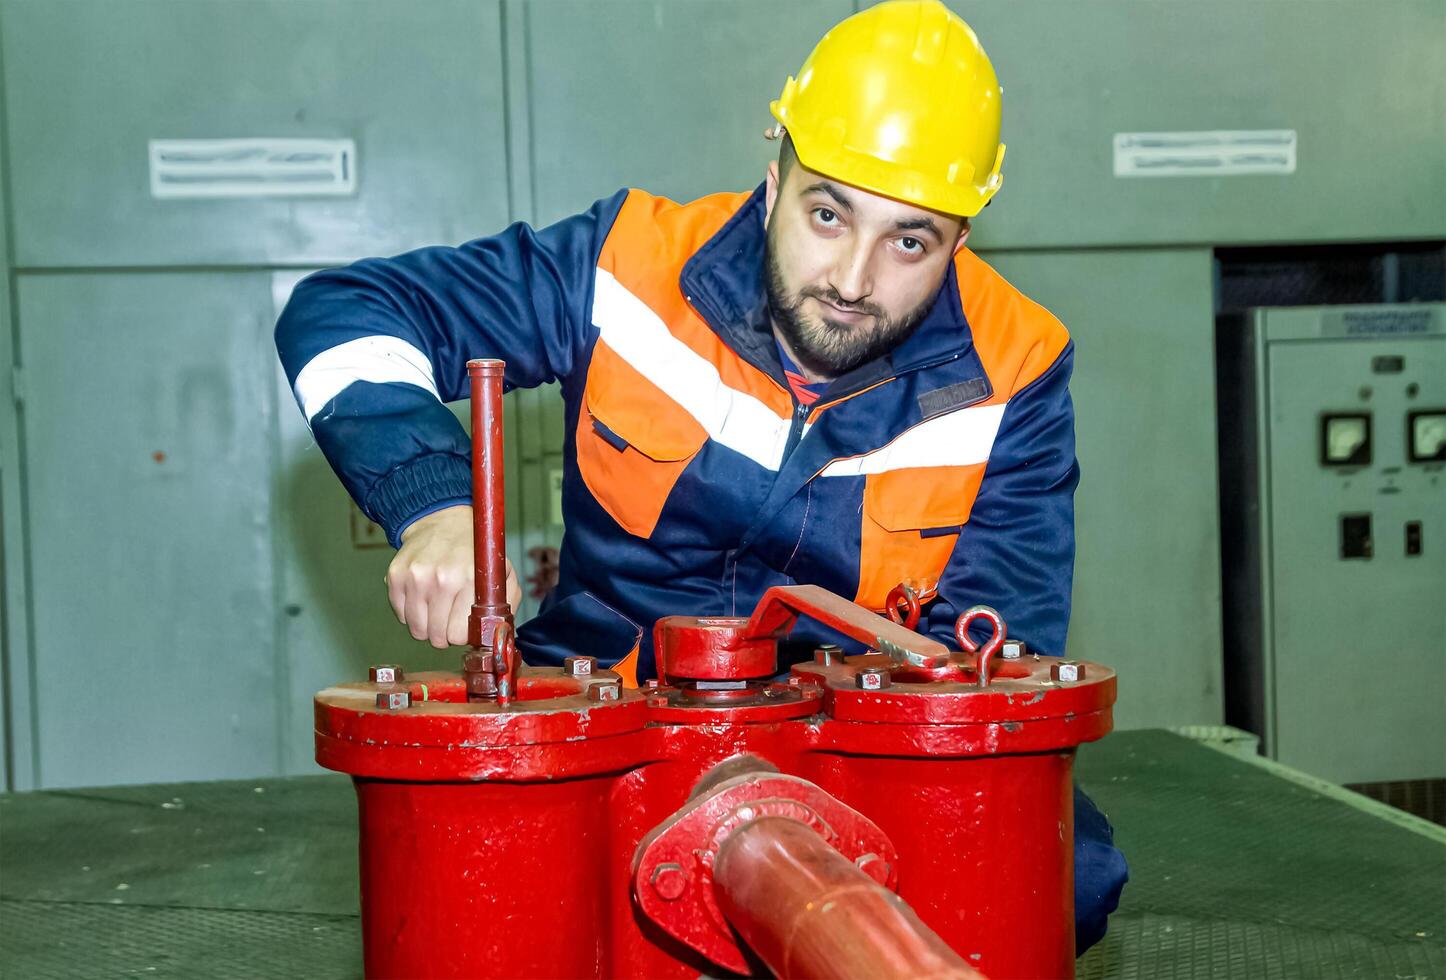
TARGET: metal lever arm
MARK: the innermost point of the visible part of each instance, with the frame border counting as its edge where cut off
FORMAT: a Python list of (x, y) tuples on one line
[(781, 606)]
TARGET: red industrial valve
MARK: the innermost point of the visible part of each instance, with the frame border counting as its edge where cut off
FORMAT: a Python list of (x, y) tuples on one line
[(903, 812)]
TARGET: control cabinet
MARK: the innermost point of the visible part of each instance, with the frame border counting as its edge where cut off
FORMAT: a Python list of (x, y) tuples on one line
[(1333, 527)]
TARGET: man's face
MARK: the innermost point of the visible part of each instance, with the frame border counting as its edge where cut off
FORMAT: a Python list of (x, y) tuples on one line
[(850, 273)]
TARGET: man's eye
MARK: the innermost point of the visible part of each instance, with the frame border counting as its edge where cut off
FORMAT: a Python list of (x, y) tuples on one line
[(825, 216), (911, 245)]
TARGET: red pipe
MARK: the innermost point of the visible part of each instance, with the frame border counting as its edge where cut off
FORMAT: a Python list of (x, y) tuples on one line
[(490, 611), (807, 911)]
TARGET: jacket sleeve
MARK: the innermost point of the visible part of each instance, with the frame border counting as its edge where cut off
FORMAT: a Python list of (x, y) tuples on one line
[(1016, 553), (373, 350)]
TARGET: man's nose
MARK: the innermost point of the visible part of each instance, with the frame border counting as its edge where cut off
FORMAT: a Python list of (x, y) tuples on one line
[(851, 278)]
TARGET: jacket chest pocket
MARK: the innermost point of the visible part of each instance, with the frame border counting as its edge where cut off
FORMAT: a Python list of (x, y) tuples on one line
[(911, 521), (633, 442)]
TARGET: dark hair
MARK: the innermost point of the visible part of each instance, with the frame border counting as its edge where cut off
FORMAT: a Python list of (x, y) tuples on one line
[(786, 158)]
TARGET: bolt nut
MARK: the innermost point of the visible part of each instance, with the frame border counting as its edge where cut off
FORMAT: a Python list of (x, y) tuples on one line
[(652, 683), (1012, 649), (394, 700), (657, 700), (478, 663), (669, 881), (384, 674), (795, 681), (1067, 671), (828, 654), (872, 679), (604, 690), (578, 666)]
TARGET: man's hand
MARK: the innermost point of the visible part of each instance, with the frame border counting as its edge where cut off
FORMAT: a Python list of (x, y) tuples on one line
[(429, 583)]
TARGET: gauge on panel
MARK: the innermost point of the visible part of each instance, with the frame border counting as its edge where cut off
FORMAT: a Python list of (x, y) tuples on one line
[(1345, 439), (1426, 436)]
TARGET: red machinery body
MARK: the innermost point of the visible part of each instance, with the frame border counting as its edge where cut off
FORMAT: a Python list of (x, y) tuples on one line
[(525, 821), (500, 840)]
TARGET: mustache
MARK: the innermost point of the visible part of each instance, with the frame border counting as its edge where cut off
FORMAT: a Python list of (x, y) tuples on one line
[(831, 295)]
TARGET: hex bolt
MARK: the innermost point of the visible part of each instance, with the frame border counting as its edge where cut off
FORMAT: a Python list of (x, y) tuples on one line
[(384, 674), (669, 880), (872, 679), (1067, 671), (828, 654), (478, 663), (578, 666), (394, 700), (1012, 649), (604, 690), (875, 867)]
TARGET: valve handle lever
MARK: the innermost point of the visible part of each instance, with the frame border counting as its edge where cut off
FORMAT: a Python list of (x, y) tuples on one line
[(781, 606), (986, 650)]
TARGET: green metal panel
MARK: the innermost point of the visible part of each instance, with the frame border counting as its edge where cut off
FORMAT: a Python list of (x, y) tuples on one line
[(16, 770), (1360, 82), (149, 435), (1147, 573), (676, 94), (1355, 647), (89, 82)]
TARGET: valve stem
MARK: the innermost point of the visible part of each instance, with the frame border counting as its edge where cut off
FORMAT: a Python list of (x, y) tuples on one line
[(490, 666)]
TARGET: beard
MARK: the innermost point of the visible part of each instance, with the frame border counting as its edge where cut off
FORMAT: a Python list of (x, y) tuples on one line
[(825, 346)]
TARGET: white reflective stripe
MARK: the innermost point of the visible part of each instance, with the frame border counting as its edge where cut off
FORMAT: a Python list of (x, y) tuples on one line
[(378, 359), (732, 417), (957, 439)]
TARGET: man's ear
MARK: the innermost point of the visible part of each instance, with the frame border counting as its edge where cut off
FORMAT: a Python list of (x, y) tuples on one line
[(770, 190), (963, 236)]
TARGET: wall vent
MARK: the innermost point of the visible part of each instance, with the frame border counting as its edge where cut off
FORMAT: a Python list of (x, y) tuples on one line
[(252, 167)]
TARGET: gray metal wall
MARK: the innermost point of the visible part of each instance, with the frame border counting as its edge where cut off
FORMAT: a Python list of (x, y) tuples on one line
[(169, 617)]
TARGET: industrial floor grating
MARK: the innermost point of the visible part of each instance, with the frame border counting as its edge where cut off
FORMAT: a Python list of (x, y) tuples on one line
[(1236, 872)]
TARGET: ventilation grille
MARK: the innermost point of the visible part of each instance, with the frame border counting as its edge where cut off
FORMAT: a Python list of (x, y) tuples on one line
[(252, 168)]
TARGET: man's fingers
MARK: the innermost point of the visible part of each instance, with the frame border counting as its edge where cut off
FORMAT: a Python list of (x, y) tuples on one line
[(439, 612), (396, 594), (457, 622), (514, 590), (416, 611)]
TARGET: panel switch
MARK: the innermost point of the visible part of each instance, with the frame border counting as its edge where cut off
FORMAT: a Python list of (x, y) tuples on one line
[(1413, 538), (1356, 536)]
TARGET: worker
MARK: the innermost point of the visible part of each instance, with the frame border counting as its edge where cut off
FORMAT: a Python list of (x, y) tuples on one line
[(815, 382)]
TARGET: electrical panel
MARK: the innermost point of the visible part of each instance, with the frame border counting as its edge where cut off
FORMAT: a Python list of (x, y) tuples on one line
[(1333, 519)]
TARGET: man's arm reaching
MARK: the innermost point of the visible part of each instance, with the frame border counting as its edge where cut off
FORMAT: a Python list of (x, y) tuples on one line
[(373, 350)]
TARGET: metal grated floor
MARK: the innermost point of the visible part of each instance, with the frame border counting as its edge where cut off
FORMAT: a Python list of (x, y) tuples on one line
[(1236, 872), (77, 941)]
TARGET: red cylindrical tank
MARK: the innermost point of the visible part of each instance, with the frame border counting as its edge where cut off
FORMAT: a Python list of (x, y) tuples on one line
[(499, 840)]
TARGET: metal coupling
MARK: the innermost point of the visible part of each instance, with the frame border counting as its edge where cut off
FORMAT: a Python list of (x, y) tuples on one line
[(872, 679), (1067, 671)]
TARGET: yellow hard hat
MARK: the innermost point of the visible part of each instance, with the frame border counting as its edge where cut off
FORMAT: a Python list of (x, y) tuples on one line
[(901, 100)]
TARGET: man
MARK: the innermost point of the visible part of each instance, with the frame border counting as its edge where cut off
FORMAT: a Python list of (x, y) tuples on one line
[(815, 382)]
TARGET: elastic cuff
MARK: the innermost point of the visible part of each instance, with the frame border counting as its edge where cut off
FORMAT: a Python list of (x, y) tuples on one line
[(417, 488)]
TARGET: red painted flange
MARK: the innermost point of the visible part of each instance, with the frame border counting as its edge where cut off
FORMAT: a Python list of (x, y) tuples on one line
[(673, 866)]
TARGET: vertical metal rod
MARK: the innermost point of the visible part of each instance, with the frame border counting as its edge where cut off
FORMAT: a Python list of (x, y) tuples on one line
[(490, 611)]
